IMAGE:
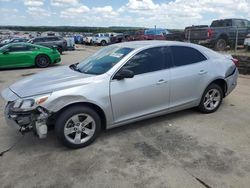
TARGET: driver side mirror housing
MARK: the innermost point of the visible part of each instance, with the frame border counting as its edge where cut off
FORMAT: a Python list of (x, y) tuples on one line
[(123, 73)]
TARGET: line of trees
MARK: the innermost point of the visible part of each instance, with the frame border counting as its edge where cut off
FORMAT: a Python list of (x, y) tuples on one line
[(70, 29)]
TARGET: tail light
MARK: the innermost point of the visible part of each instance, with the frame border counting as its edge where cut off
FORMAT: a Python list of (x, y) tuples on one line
[(209, 33), (236, 62)]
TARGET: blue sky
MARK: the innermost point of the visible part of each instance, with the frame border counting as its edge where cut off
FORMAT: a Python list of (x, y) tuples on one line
[(145, 13)]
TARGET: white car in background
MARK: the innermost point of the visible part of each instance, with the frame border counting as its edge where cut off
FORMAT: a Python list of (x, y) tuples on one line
[(88, 39), (70, 43), (102, 38), (247, 42)]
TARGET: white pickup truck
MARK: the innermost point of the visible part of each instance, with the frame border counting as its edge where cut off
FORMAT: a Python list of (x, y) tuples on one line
[(102, 38)]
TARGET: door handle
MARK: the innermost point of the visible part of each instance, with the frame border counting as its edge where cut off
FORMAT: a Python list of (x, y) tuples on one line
[(161, 81), (202, 72)]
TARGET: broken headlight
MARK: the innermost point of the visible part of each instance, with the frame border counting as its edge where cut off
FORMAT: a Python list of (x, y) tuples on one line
[(30, 103)]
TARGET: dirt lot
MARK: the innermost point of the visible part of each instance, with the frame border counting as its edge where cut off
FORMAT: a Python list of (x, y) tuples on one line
[(184, 149)]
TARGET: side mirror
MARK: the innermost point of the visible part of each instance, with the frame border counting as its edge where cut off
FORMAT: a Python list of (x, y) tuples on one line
[(124, 73)]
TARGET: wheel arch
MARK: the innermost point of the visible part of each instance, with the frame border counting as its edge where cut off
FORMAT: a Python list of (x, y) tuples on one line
[(220, 82), (93, 106), (223, 36), (44, 55)]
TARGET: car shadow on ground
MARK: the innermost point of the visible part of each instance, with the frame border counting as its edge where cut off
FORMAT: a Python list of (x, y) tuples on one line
[(30, 141)]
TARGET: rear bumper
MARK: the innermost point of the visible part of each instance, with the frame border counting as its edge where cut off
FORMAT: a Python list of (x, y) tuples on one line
[(55, 58), (58, 60), (205, 42), (232, 82)]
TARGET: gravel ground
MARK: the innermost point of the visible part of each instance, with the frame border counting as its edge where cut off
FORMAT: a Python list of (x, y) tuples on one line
[(183, 149)]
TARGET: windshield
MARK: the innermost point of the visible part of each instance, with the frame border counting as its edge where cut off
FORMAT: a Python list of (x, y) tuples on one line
[(103, 60)]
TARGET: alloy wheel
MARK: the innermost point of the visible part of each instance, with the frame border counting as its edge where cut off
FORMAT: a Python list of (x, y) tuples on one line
[(79, 128), (212, 99)]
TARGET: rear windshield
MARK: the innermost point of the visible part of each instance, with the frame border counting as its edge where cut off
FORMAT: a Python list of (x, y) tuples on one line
[(221, 23)]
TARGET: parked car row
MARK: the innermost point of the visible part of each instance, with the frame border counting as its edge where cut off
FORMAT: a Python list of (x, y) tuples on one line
[(219, 35), (60, 43), (145, 34)]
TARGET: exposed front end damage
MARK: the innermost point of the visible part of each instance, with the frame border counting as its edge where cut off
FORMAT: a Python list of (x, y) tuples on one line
[(27, 120)]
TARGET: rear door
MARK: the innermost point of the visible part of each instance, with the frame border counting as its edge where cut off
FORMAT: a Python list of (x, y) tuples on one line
[(188, 76), (147, 92)]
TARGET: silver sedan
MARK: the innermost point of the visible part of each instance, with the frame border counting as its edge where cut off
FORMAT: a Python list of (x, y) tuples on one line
[(119, 84)]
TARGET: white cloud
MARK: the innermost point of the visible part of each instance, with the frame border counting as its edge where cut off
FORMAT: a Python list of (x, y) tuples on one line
[(38, 12), (106, 11), (8, 11), (61, 3), (180, 13), (144, 13), (74, 12), (33, 2)]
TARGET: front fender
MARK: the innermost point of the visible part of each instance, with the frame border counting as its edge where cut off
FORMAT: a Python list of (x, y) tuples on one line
[(63, 101), (59, 103)]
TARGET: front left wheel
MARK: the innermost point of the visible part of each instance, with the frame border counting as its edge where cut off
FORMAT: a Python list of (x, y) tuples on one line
[(77, 126)]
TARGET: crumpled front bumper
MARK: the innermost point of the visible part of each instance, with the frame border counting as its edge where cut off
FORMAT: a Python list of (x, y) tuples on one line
[(9, 96), (24, 120), (9, 120)]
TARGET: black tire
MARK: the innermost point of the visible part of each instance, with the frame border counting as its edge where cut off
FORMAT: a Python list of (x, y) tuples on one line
[(42, 61), (221, 44), (103, 43), (60, 50), (65, 117), (202, 106)]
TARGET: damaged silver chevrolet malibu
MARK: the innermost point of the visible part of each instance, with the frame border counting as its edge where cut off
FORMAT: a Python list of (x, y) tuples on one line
[(119, 84)]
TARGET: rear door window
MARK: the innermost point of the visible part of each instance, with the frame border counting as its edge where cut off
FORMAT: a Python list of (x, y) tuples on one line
[(183, 55), (221, 23), (239, 23), (39, 40)]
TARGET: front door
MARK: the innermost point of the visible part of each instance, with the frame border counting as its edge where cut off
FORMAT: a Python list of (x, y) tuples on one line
[(147, 92)]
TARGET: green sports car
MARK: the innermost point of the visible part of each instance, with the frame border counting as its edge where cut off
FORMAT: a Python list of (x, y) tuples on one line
[(25, 55)]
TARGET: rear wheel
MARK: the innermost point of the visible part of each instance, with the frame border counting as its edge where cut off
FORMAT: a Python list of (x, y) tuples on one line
[(211, 99), (103, 43), (78, 126), (60, 50), (42, 61), (221, 44)]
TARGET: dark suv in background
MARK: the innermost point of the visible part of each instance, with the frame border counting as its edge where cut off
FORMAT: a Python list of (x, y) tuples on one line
[(51, 41), (220, 33)]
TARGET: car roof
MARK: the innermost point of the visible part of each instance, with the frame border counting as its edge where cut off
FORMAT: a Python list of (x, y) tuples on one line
[(27, 44), (152, 43), (140, 45)]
